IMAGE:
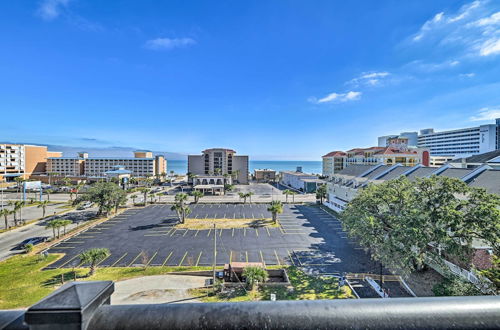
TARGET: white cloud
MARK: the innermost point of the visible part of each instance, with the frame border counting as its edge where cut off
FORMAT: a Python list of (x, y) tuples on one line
[(337, 97), (485, 114), (470, 32), (51, 9), (368, 78), (490, 47), (168, 43), (468, 75), (493, 19)]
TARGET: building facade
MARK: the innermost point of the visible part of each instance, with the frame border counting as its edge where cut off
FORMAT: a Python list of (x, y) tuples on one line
[(460, 142), (219, 161), (22, 160), (303, 182), (143, 164), (396, 151), (264, 175)]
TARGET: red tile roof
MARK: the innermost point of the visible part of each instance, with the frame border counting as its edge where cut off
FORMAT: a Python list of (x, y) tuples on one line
[(335, 153)]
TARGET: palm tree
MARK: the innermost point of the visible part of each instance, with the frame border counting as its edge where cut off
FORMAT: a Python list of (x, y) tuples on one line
[(181, 198), (53, 224), (275, 208), (321, 192), (18, 206), (181, 210), (253, 275), (243, 196), (144, 192), (67, 181), (5, 212), (190, 176), (287, 192), (249, 195), (148, 181), (14, 210), (93, 257), (197, 195), (43, 206), (133, 197), (79, 186), (48, 192), (151, 196), (63, 223)]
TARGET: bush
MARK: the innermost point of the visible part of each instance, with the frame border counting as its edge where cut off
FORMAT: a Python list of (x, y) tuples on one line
[(455, 286), (28, 248)]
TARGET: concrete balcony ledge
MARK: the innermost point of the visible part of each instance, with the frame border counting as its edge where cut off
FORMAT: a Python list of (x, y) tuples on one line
[(85, 305)]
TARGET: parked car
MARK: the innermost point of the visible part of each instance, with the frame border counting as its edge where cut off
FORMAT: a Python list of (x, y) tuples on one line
[(33, 241), (84, 206)]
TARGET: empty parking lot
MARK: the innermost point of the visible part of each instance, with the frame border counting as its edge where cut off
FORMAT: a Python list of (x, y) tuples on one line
[(307, 236)]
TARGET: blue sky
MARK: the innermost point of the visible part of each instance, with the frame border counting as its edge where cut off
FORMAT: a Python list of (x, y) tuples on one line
[(272, 79)]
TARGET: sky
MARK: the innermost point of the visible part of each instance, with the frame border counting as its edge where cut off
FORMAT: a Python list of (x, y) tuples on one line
[(289, 80)]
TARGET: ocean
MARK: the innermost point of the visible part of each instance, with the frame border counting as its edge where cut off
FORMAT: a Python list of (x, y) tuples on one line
[(315, 167)]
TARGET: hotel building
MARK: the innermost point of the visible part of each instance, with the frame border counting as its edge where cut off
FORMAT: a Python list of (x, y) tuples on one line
[(143, 164), (23, 160), (447, 145), (219, 162), (395, 152)]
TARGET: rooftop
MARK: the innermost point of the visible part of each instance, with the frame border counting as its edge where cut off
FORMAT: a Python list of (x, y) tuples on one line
[(481, 158)]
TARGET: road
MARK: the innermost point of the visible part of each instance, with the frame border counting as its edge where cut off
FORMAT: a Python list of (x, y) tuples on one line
[(12, 238)]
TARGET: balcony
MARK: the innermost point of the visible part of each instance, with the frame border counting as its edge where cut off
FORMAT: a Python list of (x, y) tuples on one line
[(86, 305)]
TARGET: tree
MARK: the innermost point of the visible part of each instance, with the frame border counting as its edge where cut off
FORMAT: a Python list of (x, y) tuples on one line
[(197, 195), (275, 208), (493, 273), (287, 192), (133, 197), (321, 193), (48, 192), (254, 275), (78, 187), (243, 196), (181, 210), (144, 192), (18, 206), (28, 248), (43, 205), (64, 223), (93, 257), (66, 181), (249, 195), (5, 212), (55, 225), (148, 181), (181, 198), (455, 286), (228, 187), (151, 196), (106, 195)]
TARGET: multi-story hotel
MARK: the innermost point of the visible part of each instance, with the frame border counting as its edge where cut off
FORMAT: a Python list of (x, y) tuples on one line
[(22, 160), (446, 145), (143, 164), (395, 152), (219, 161)]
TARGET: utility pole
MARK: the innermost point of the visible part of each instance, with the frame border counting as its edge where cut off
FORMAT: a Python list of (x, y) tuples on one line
[(215, 256)]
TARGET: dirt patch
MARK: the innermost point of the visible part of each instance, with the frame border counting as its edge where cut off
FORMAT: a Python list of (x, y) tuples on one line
[(422, 282), (226, 223)]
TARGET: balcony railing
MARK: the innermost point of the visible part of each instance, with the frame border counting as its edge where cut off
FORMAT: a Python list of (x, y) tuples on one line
[(85, 305)]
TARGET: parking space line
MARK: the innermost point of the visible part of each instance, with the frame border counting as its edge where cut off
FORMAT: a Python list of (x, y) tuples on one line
[(117, 261), (224, 216), (138, 255), (173, 232), (67, 262), (102, 260), (209, 231), (166, 259), (197, 231), (151, 259), (63, 247), (187, 230), (246, 256), (278, 259), (245, 231), (232, 235), (220, 233), (184, 257), (262, 258), (234, 215), (257, 232), (198, 260), (268, 232), (253, 216), (291, 259), (206, 215), (230, 256)]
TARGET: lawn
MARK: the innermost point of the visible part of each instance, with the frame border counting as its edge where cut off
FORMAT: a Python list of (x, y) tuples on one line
[(305, 287), (226, 223), (24, 282)]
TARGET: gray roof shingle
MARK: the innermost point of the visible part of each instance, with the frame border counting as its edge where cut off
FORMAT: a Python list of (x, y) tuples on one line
[(489, 180), (355, 170), (456, 172)]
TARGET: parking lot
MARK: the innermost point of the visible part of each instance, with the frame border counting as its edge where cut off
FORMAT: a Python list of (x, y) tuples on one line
[(307, 236)]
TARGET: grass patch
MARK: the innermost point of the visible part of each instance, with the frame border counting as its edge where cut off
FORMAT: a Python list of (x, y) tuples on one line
[(305, 287), (226, 223), (24, 283)]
